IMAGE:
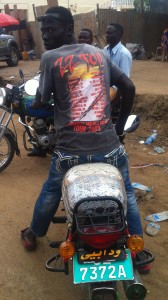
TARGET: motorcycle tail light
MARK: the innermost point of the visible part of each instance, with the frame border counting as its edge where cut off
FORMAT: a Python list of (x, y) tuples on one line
[(101, 241), (135, 243), (67, 250)]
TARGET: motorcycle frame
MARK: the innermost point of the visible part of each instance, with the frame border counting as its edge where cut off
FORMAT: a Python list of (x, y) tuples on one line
[(6, 118)]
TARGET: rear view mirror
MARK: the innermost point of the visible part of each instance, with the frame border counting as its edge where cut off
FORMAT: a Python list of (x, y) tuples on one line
[(21, 74), (132, 123)]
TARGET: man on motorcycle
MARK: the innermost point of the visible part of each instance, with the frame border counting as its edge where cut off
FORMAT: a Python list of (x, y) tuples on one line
[(79, 76)]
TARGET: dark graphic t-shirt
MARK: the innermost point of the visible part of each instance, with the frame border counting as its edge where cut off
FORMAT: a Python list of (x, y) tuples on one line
[(79, 76)]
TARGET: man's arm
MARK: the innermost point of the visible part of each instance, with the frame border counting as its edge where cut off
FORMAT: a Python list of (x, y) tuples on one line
[(127, 89), (45, 89), (125, 63)]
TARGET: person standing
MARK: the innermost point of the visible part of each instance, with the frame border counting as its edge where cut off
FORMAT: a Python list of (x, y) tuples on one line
[(85, 36), (164, 45), (118, 53), (120, 56)]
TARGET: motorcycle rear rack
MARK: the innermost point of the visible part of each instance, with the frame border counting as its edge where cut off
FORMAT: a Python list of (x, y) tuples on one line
[(114, 221), (56, 264)]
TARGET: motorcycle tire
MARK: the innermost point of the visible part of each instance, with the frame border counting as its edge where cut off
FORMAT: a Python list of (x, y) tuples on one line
[(85, 292), (103, 294), (106, 296), (7, 149)]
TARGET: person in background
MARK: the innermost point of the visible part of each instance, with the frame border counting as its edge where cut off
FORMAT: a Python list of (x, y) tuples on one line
[(79, 76), (85, 36), (118, 53), (164, 44), (121, 57)]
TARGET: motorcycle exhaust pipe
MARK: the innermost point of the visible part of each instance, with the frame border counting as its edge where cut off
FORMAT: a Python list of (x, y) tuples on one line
[(134, 289)]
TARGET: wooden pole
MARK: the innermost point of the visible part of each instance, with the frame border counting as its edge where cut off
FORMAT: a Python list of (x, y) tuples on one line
[(34, 11), (52, 3)]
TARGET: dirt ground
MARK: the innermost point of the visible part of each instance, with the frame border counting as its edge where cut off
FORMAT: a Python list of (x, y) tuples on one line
[(23, 275)]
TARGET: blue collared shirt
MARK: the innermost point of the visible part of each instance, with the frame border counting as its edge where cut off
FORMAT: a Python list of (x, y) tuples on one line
[(121, 57)]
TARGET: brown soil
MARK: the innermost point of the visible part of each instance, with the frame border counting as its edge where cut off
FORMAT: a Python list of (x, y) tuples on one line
[(23, 275)]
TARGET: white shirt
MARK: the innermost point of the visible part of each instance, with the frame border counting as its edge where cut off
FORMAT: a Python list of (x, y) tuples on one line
[(121, 57)]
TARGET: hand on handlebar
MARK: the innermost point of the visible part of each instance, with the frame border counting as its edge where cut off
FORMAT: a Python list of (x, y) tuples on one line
[(121, 138), (120, 133)]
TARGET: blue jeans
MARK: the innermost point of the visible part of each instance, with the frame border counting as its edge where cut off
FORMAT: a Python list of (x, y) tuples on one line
[(49, 198)]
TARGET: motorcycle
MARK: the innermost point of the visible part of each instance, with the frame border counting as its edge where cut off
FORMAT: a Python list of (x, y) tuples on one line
[(39, 130), (98, 243)]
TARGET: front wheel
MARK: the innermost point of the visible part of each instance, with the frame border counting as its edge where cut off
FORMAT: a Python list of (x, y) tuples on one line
[(7, 150)]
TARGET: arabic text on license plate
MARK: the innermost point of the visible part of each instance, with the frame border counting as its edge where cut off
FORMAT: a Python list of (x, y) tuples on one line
[(103, 271)]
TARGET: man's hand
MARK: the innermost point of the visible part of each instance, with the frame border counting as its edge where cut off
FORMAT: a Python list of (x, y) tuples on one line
[(120, 133), (37, 102), (121, 138), (127, 90)]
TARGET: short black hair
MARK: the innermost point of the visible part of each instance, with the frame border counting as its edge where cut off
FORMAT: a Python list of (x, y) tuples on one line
[(88, 30), (118, 28), (60, 13)]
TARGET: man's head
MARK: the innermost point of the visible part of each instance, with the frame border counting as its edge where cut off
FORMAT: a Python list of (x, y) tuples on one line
[(57, 26), (85, 36), (114, 33)]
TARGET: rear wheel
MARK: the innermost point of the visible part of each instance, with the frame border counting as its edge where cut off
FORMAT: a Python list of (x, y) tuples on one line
[(104, 296), (84, 291), (98, 292), (13, 57), (7, 150), (103, 291)]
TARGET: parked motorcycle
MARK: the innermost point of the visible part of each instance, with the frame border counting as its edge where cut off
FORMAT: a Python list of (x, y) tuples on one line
[(98, 242), (38, 124)]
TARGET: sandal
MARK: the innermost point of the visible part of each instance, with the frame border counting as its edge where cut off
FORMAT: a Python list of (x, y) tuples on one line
[(28, 240)]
